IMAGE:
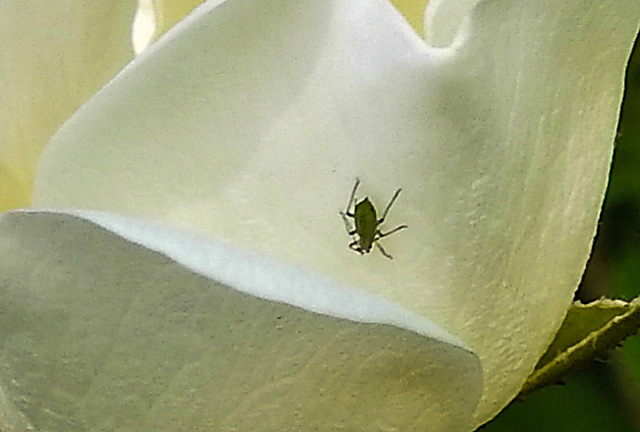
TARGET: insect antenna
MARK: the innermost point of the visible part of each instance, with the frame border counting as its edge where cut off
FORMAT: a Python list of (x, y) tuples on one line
[(353, 195), (346, 213)]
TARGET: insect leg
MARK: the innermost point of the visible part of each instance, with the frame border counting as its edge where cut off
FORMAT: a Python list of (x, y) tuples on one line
[(384, 252), (350, 231), (386, 210), (395, 230), (354, 246)]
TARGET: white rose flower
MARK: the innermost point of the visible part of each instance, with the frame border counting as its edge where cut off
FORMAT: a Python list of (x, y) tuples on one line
[(184, 264)]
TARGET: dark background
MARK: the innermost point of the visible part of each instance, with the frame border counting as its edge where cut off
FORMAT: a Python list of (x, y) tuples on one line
[(604, 395)]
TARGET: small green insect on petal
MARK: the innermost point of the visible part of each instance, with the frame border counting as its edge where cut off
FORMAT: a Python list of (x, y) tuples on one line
[(365, 218)]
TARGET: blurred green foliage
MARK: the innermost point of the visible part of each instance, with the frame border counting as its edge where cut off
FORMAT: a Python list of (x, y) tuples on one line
[(605, 395)]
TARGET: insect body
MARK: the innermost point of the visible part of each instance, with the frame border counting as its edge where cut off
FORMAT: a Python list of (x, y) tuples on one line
[(366, 223)]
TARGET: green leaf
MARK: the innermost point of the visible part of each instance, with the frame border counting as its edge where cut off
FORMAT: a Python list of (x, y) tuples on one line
[(589, 331)]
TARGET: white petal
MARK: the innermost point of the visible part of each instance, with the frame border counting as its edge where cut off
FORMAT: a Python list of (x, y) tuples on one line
[(250, 121), (54, 54), (101, 334), (155, 17), (443, 20), (170, 12)]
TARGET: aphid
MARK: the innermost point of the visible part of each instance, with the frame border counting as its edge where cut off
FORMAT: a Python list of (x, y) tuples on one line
[(366, 222)]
